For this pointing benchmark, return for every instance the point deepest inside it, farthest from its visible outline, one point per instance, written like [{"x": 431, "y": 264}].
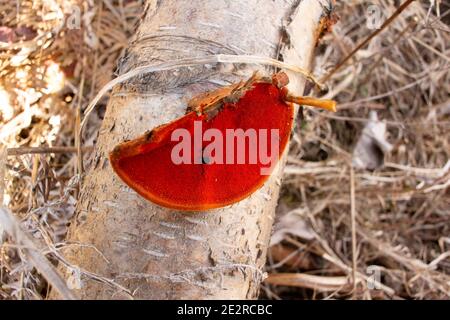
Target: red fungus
[{"x": 176, "y": 168}]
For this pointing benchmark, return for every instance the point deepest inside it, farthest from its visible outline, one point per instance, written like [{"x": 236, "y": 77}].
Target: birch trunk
[{"x": 156, "y": 253}]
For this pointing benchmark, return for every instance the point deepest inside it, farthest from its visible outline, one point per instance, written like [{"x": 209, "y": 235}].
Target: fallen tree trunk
[{"x": 151, "y": 252}]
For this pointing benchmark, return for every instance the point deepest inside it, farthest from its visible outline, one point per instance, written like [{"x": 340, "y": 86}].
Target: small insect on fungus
[{"x": 220, "y": 152}]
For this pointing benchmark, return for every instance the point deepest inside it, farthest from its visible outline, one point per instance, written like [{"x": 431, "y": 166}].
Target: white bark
[{"x": 158, "y": 253}]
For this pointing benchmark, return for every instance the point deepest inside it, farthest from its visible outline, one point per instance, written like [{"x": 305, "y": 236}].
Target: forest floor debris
[{"x": 393, "y": 224}]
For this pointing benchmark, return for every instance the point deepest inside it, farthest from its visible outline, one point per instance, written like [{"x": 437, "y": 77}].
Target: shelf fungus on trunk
[{"x": 220, "y": 152}]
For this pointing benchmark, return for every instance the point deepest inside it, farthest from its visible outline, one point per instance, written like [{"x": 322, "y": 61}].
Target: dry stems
[{"x": 398, "y": 233}]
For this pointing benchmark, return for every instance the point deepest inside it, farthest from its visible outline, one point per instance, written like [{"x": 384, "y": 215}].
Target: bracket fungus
[{"x": 220, "y": 152}]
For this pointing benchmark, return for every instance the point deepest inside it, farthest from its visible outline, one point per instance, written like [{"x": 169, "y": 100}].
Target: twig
[
  {"x": 303, "y": 280},
  {"x": 78, "y": 137},
  {"x": 190, "y": 62},
  {"x": 374, "y": 65},
  {"x": 40, "y": 262},
  {"x": 367, "y": 40},
  {"x": 42, "y": 150},
  {"x": 353, "y": 219}
]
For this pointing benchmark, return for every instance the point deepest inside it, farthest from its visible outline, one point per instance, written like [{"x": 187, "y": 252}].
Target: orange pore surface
[{"x": 146, "y": 165}]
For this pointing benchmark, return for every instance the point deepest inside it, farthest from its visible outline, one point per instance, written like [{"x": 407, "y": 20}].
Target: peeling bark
[{"x": 153, "y": 252}]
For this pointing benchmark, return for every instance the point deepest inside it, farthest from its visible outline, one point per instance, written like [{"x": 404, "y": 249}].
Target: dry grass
[
  {"x": 40, "y": 96},
  {"x": 401, "y": 208},
  {"x": 344, "y": 232}
]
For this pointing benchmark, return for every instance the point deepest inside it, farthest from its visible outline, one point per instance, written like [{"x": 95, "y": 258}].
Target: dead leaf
[
  {"x": 372, "y": 145},
  {"x": 293, "y": 224}
]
